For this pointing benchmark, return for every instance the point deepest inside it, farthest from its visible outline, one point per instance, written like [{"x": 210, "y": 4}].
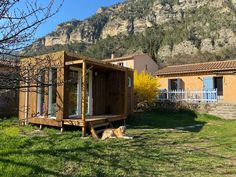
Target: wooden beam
[
  {"x": 84, "y": 99},
  {"x": 73, "y": 62},
  {"x": 105, "y": 65},
  {"x": 45, "y": 121},
  {"x": 96, "y": 63}
]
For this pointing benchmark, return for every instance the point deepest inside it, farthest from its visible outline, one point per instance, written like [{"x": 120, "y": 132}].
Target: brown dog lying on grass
[{"x": 115, "y": 133}]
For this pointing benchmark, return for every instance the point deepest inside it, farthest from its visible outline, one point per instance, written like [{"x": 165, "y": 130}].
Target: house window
[
  {"x": 121, "y": 64},
  {"x": 52, "y": 93},
  {"x": 129, "y": 82},
  {"x": 175, "y": 84},
  {"x": 218, "y": 84},
  {"x": 41, "y": 94},
  {"x": 146, "y": 68}
]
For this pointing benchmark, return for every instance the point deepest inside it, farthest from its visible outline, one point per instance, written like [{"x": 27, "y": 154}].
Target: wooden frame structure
[{"x": 111, "y": 100}]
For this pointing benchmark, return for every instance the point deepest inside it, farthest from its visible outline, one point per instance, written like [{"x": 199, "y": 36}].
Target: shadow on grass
[{"x": 185, "y": 120}]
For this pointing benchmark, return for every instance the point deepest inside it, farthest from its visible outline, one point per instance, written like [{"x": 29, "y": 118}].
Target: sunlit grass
[{"x": 158, "y": 149}]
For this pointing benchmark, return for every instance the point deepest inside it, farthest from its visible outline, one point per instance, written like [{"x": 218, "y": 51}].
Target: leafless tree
[{"x": 19, "y": 20}]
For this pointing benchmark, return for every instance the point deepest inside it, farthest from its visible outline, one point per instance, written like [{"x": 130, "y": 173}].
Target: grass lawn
[{"x": 165, "y": 144}]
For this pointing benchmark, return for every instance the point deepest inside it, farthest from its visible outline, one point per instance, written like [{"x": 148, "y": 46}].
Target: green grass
[{"x": 158, "y": 149}]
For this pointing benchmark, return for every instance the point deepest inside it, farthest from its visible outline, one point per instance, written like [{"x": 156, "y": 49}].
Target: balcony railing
[{"x": 196, "y": 96}]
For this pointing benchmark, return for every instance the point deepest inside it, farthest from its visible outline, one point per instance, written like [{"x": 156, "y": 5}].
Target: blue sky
[{"x": 78, "y": 9}]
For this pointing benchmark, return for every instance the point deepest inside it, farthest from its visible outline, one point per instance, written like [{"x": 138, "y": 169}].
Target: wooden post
[{"x": 84, "y": 99}]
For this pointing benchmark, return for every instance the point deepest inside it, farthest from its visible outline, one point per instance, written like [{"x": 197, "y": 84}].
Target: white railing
[{"x": 196, "y": 96}]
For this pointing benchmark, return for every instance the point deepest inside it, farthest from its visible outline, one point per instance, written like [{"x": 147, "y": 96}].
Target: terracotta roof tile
[{"x": 229, "y": 65}]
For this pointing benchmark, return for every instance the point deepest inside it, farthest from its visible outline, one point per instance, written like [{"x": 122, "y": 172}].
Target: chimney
[{"x": 112, "y": 55}]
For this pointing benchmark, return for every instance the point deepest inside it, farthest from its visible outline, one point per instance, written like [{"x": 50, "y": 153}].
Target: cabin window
[
  {"x": 129, "y": 82},
  {"x": 52, "y": 93},
  {"x": 74, "y": 90},
  {"x": 41, "y": 94},
  {"x": 218, "y": 84},
  {"x": 89, "y": 93}
]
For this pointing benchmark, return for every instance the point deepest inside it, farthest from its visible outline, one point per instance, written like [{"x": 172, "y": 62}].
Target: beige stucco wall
[
  {"x": 230, "y": 88},
  {"x": 140, "y": 63},
  {"x": 145, "y": 63},
  {"x": 126, "y": 63},
  {"x": 196, "y": 83}
]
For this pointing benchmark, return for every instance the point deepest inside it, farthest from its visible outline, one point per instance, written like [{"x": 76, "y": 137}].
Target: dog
[{"x": 115, "y": 133}]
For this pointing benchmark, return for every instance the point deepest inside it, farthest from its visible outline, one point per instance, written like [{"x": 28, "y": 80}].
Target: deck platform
[{"x": 76, "y": 121}]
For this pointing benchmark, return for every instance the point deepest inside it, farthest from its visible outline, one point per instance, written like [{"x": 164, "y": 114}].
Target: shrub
[{"x": 145, "y": 89}]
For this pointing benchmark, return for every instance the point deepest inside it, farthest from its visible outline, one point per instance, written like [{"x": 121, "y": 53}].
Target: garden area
[{"x": 180, "y": 143}]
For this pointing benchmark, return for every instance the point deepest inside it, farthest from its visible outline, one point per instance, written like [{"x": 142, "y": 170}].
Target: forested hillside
[{"x": 171, "y": 31}]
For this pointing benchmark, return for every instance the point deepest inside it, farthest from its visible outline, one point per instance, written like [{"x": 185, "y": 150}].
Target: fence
[{"x": 206, "y": 96}]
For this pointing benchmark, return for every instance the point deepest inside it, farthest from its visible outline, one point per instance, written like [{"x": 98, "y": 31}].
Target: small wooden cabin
[{"x": 74, "y": 90}]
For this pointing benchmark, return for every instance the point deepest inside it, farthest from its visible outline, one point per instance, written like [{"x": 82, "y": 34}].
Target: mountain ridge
[{"x": 171, "y": 31}]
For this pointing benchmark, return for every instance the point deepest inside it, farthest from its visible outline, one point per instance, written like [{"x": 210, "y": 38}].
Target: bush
[{"x": 145, "y": 89}]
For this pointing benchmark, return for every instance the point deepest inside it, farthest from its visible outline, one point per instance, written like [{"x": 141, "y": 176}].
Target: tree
[
  {"x": 145, "y": 89},
  {"x": 19, "y": 20}
]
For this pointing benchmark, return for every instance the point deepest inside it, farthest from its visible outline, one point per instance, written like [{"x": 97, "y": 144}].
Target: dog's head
[{"x": 122, "y": 129}]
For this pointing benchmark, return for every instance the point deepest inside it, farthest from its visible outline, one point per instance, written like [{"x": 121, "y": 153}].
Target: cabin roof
[
  {"x": 77, "y": 59},
  {"x": 129, "y": 57},
  {"x": 218, "y": 66}
]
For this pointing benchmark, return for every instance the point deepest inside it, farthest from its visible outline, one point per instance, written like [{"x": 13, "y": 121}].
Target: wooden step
[
  {"x": 100, "y": 131},
  {"x": 98, "y": 128},
  {"x": 101, "y": 125}
]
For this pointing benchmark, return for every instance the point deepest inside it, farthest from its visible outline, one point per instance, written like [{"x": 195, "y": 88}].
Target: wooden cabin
[{"x": 67, "y": 89}]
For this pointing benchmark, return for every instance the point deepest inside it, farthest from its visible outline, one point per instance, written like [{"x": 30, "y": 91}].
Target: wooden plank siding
[{"x": 112, "y": 99}]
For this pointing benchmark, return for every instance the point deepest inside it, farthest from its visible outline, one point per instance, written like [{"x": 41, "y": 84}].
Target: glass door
[
  {"x": 52, "y": 93},
  {"x": 74, "y": 92}
]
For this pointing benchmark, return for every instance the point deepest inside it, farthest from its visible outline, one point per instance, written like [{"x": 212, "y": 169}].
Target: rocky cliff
[{"x": 172, "y": 31}]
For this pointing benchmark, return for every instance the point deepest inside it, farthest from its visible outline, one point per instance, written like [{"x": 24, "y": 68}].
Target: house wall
[
  {"x": 195, "y": 82},
  {"x": 140, "y": 63},
  {"x": 126, "y": 63},
  {"x": 145, "y": 63}
]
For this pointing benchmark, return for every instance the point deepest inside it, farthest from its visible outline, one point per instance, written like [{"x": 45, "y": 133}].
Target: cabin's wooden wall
[
  {"x": 109, "y": 94},
  {"x": 115, "y": 94},
  {"x": 99, "y": 92},
  {"x": 57, "y": 61}
]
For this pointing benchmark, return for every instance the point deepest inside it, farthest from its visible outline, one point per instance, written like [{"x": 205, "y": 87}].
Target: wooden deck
[
  {"x": 76, "y": 121},
  {"x": 93, "y": 119}
]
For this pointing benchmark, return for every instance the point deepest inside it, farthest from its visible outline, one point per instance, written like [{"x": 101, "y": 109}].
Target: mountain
[{"x": 171, "y": 31}]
